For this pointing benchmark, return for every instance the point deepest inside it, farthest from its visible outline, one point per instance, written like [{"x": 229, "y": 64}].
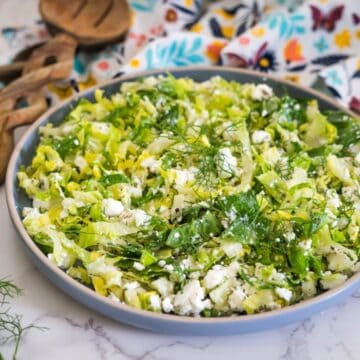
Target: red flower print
[
  {"x": 244, "y": 40},
  {"x": 355, "y": 104},
  {"x": 141, "y": 39},
  {"x": 157, "y": 30},
  {"x": 103, "y": 65}
]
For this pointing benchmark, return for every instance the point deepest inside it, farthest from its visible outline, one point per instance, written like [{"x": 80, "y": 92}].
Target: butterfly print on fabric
[
  {"x": 326, "y": 21},
  {"x": 264, "y": 59},
  {"x": 356, "y": 19}
]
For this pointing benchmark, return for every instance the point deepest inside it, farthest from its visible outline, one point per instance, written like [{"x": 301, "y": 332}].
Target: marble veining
[{"x": 73, "y": 331}]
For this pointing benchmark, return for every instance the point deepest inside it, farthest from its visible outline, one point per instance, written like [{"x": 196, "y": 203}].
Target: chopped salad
[{"x": 200, "y": 199}]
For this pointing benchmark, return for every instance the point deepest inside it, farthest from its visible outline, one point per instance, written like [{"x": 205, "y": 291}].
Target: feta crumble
[
  {"x": 112, "y": 207},
  {"x": 284, "y": 293},
  {"x": 260, "y": 136},
  {"x": 262, "y": 92}
]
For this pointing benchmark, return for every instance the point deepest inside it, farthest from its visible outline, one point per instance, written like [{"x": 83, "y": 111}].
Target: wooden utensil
[
  {"x": 83, "y": 22},
  {"x": 59, "y": 51},
  {"x": 13, "y": 70},
  {"x": 91, "y": 22},
  {"x": 11, "y": 117}
]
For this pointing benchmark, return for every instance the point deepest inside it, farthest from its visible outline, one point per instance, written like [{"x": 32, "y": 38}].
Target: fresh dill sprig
[
  {"x": 8, "y": 290},
  {"x": 11, "y": 326}
]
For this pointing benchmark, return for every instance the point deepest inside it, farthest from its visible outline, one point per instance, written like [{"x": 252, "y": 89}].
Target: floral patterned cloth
[{"x": 301, "y": 41}]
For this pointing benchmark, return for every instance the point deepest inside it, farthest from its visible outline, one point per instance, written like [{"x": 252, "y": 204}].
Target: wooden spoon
[
  {"x": 91, "y": 22},
  {"x": 10, "y": 119},
  {"x": 26, "y": 89},
  {"x": 82, "y": 22}
]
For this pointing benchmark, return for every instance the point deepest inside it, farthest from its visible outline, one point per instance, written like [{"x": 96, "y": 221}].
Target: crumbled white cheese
[
  {"x": 167, "y": 305},
  {"x": 214, "y": 277},
  {"x": 260, "y": 136},
  {"x": 70, "y": 205},
  {"x": 155, "y": 302},
  {"x": 162, "y": 263},
  {"x": 131, "y": 285},
  {"x": 183, "y": 177},
  {"x": 306, "y": 244},
  {"x": 138, "y": 266},
  {"x": 191, "y": 299},
  {"x": 289, "y": 236},
  {"x": 272, "y": 155},
  {"x": 31, "y": 213},
  {"x": 169, "y": 267},
  {"x": 141, "y": 217},
  {"x": 112, "y": 207},
  {"x": 232, "y": 249},
  {"x": 41, "y": 204},
  {"x": 150, "y": 163},
  {"x": 186, "y": 263},
  {"x": 236, "y": 298},
  {"x": 284, "y": 293},
  {"x": 262, "y": 92},
  {"x": 333, "y": 201},
  {"x": 276, "y": 276},
  {"x": 80, "y": 162},
  {"x": 110, "y": 273},
  {"x": 163, "y": 286},
  {"x": 226, "y": 163}
]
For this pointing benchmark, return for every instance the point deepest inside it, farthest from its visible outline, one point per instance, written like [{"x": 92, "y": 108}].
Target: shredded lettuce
[{"x": 210, "y": 199}]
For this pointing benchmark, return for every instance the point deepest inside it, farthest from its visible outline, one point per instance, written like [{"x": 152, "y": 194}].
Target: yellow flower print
[
  {"x": 197, "y": 28},
  {"x": 89, "y": 82},
  {"x": 258, "y": 31},
  {"x": 343, "y": 39},
  {"x": 223, "y": 14},
  {"x": 358, "y": 64},
  {"x": 228, "y": 31},
  {"x": 135, "y": 63},
  {"x": 188, "y": 2},
  {"x": 357, "y": 34}
]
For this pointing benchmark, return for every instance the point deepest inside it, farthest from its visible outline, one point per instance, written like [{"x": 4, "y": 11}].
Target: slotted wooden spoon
[{"x": 88, "y": 23}]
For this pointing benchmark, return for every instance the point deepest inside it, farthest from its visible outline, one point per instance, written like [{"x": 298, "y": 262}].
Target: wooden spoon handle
[
  {"x": 11, "y": 70},
  {"x": 11, "y": 119},
  {"x": 7, "y": 145},
  {"x": 37, "y": 72}
]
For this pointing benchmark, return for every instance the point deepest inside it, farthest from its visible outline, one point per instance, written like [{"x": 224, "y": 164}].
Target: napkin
[{"x": 301, "y": 41}]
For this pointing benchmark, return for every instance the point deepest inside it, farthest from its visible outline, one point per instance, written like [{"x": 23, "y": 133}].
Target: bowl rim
[{"x": 89, "y": 293}]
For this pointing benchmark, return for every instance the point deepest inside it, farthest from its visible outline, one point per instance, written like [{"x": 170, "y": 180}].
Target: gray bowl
[{"x": 164, "y": 323}]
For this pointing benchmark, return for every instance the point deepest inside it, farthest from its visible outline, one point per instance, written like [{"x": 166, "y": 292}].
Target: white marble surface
[{"x": 75, "y": 332}]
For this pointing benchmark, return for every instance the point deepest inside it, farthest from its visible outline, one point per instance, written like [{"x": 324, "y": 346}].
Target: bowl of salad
[{"x": 193, "y": 201}]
